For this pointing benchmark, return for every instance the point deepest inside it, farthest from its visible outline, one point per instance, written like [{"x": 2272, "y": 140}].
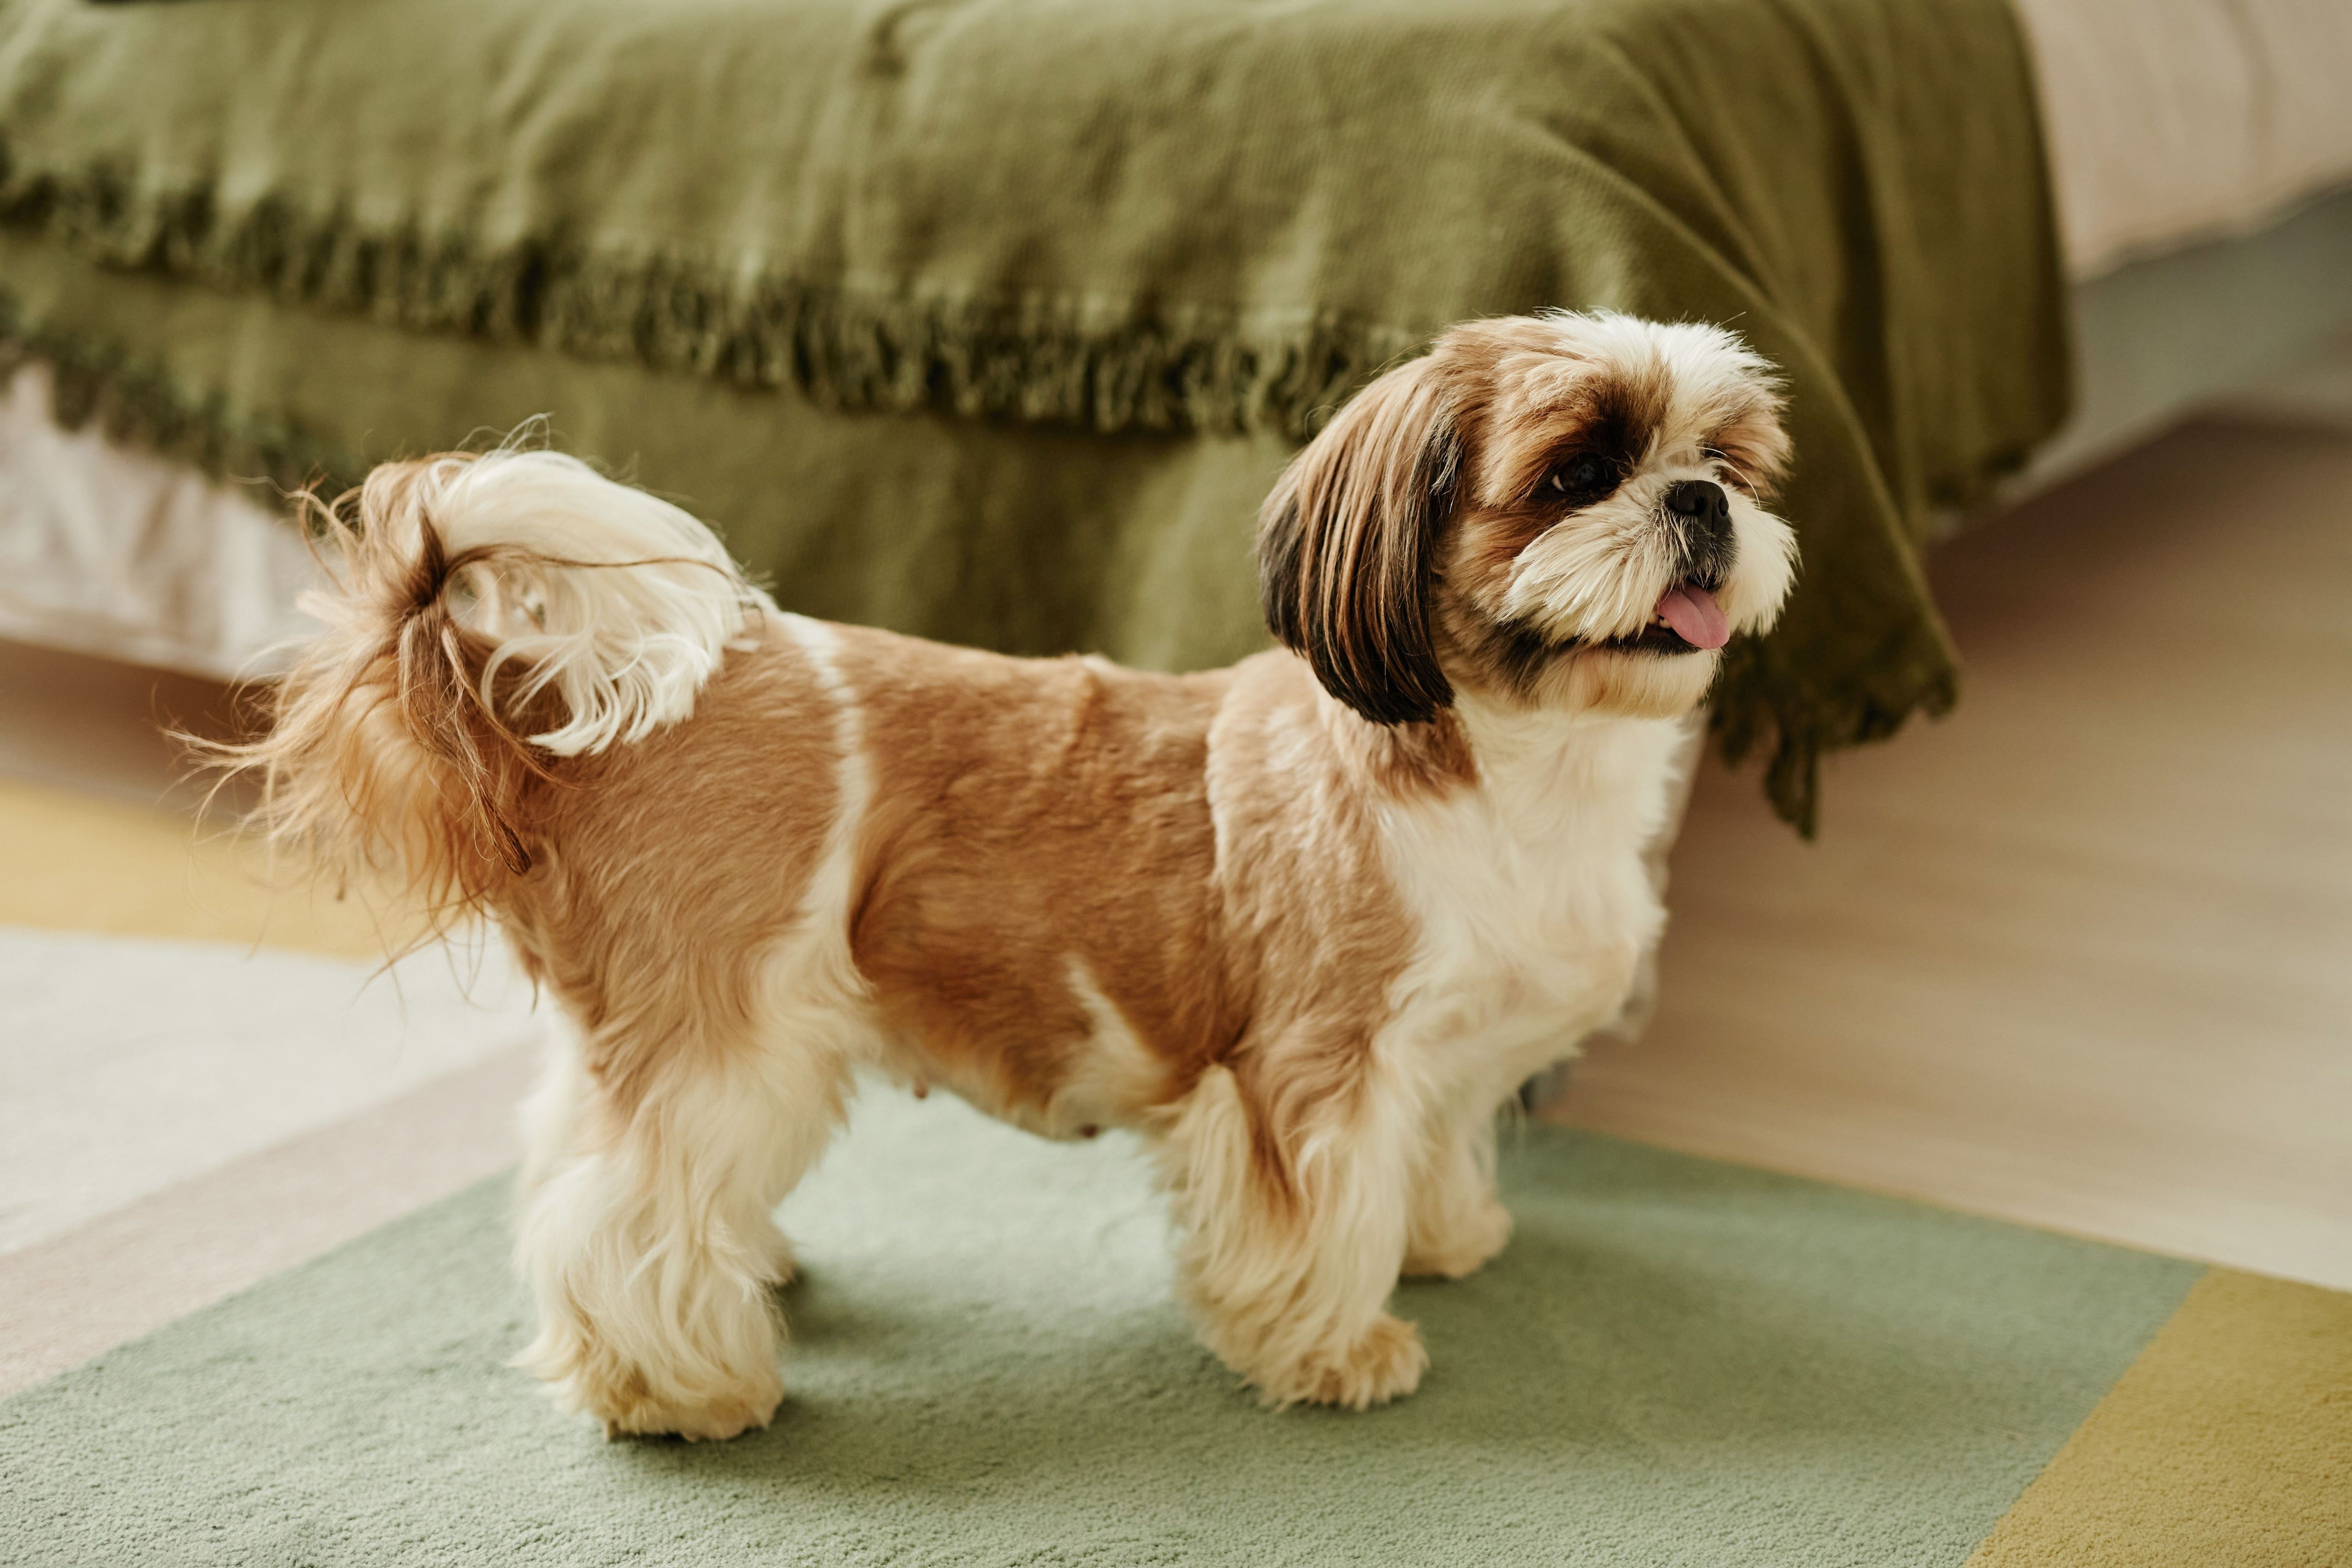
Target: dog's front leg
[
  {"x": 1458, "y": 1223},
  {"x": 1290, "y": 1252},
  {"x": 645, "y": 1232}
]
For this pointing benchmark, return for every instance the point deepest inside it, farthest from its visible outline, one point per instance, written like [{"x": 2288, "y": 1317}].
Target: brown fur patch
[
  {"x": 1023, "y": 814},
  {"x": 1752, "y": 449},
  {"x": 1026, "y": 815},
  {"x": 1198, "y": 844},
  {"x": 667, "y": 869},
  {"x": 1405, "y": 761}
]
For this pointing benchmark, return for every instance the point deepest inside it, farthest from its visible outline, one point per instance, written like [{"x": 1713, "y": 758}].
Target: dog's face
[{"x": 1563, "y": 512}]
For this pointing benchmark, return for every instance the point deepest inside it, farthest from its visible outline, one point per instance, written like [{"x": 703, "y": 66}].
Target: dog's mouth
[{"x": 1689, "y": 620}]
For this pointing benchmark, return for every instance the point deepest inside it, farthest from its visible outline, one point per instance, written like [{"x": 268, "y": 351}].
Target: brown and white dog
[{"x": 1302, "y": 923}]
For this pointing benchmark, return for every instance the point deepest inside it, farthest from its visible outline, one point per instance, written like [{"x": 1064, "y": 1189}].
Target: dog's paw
[
  {"x": 714, "y": 1422},
  {"x": 1464, "y": 1248},
  {"x": 628, "y": 1399},
  {"x": 1385, "y": 1363}
]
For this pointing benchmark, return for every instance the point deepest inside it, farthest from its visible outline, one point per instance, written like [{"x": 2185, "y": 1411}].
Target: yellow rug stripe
[
  {"x": 2228, "y": 1442},
  {"x": 76, "y": 864}
]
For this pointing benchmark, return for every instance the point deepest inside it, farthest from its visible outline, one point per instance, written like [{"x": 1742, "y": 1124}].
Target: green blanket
[{"x": 991, "y": 318}]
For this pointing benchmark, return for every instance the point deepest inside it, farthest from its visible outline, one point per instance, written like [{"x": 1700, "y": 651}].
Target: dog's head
[{"x": 1563, "y": 512}]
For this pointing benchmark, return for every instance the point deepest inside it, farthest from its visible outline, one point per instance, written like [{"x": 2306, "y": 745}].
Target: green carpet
[{"x": 1677, "y": 1362}]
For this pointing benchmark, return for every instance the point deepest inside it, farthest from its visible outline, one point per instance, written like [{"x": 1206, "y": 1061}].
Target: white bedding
[
  {"x": 2174, "y": 120},
  {"x": 2168, "y": 122},
  {"x": 117, "y": 553}
]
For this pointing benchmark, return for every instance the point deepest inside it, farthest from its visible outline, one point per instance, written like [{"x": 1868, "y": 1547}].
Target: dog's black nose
[
  {"x": 1698, "y": 499},
  {"x": 1702, "y": 516}
]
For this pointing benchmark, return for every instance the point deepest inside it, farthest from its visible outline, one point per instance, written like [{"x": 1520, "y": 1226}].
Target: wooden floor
[
  {"x": 99, "y": 728},
  {"x": 2081, "y": 954}
]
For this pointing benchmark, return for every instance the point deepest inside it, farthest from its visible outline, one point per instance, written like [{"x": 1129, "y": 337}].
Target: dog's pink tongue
[{"x": 1694, "y": 613}]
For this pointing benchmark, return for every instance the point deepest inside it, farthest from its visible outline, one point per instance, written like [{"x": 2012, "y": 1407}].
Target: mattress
[{"x": 2167, "y": 122}]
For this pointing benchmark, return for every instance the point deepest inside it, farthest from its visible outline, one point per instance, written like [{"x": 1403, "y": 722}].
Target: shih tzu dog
[{"x": 1302, "y": 923}]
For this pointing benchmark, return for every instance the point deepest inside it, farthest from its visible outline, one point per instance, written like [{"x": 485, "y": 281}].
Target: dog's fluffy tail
[{"x": 486, "y": 615}]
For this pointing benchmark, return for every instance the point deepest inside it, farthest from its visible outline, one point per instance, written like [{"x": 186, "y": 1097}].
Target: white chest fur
[{"x": 1532, "y": 901}]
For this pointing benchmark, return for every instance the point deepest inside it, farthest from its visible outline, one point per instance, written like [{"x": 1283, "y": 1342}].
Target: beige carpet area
[
  {"x": 208, "y": 1074},
  {"x": 136, "y": 1064}
]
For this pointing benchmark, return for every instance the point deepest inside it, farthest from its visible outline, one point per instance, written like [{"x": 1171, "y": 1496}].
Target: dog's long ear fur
[{"x": 1347, "y": 541}]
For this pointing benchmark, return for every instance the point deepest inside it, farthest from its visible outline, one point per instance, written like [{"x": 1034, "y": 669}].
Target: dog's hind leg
[
  {"x": 1292, "y": 1242},
  {"x": 645, "y": 1232}
]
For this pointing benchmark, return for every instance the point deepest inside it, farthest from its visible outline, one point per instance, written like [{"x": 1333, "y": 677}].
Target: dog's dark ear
[{"x": 1347, "y": 543}]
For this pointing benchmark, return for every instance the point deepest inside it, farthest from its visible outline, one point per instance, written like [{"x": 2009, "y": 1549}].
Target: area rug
[{"x": 1675, "y": 1362}]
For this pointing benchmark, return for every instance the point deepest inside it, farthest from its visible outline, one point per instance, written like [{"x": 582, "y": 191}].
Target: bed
[{"x": 1028, "y": 397}]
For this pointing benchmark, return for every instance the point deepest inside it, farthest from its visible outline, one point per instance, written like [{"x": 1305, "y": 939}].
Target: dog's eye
[{"x": 1585, "y": 476}]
